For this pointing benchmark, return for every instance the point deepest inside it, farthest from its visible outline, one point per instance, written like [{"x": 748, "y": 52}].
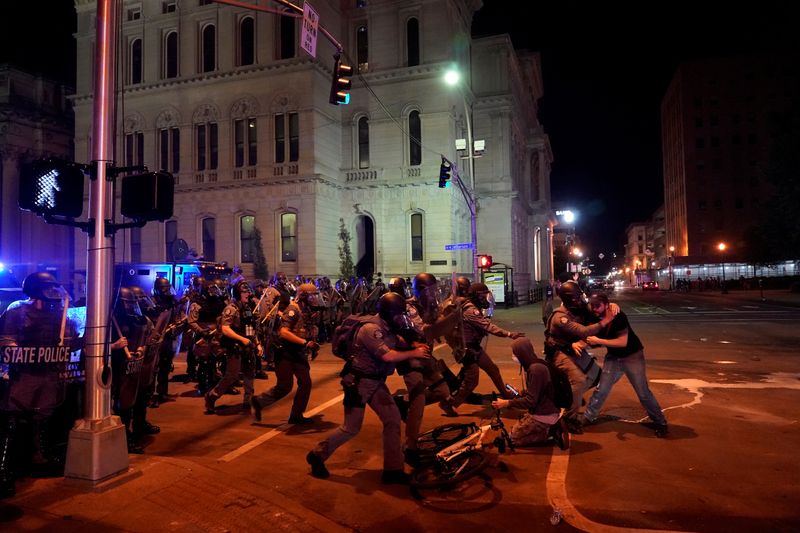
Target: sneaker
[
  {"x": 134, "y": 448},
  {"x": 318, "y": 469},
  {"x": 560, "y": 434},
  {"x": 300, "y": 420},
  {"x": 394, "y": 477},
  {"x": 448, "y": 409},
  {"x": 402, "y": 406},
  {"x": 662, "y": 430},
  {"x": 574, "y": 426},
  {"x": 254, "y": 403}
]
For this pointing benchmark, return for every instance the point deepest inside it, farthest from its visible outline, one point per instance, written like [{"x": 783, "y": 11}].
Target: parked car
[{"x": 650, "y": 286}]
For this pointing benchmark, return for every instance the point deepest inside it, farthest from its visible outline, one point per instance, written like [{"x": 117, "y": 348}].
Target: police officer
[
  {"x": 166, "y": 317},
  {"x": 202, "y": 322},
  {"x": 476, "y": 327},
  {"x": 237, "y": 325},
  {"x": 296, "y": 335},
  {"x": 462, "y": 286},
  {"x": 569, "y": 324},
  {"x": 191, "y": 294},
  {"x": 141, "y": 427},
  {"x": 276, "y": 294},
  {"x": 378, "y": 347},
  {"x": 32, "y": 391}
]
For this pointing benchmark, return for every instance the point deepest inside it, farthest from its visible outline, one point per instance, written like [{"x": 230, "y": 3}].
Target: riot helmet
[
  {"x": 145, "y": 303},
  {"x": 239, "y": 288},
  {"x": 572, "y": 296},
  {"x": 425, "y": 290},
  {"x": 127, "y": 305},
  {"x": 392, "y": 309},
  {"x": 462, "y": 286},
  {"x": 163, "y": 292},
  {"x": 43, "y": 286},
  {"x": 279, "y": 281},
  {"x": 222, "y": 286},
  {"x": 308, "y": 295},
  {"x": 398, "y": 285},
  {"x": 212, "y": 290},
  {"x": 478, "y": 294}
]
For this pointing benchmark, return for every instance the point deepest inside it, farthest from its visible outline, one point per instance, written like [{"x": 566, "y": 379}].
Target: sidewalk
[
  {"x": 156, "y": 494},
  {"x": 771, "y": 296}
]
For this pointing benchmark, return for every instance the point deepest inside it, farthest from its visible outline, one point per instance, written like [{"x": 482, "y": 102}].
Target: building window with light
[
  {"x": 247, "y": 41},
  {"x": 245, "y": 142},
  {"x": 416, "y": 237},
  {"x": 208, "y": 49},
  {"x": 136, "y": 62},
  {"x": 363, "y": 142},
  {"x": 206, "y": 142},
  {"x": 208, "y": 228},
  {"x": 170, "y": 67},
  {"x": 415, "y": 138},
  {"x": 247, "y": 227},
  {"x": 362, "y": 47},
  {"x": 170, "y": 149},
  {"x": 412, "y": 42},
  {"x": 288, "y": 237},
  {"x": 170, "y": 236}
]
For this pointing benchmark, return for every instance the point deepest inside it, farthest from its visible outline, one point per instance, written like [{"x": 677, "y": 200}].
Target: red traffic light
[{"x": 485, "y": 261}]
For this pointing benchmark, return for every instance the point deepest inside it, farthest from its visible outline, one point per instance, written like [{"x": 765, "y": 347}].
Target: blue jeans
[{"x": 633, "y": 367}]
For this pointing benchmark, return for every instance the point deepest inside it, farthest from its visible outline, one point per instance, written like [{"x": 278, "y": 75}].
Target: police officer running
[
  {"x": 294, "y": 347},
  {"x": 377, "y": 348}
]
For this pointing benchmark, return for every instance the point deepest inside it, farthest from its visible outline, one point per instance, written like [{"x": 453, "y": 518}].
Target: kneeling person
[{"x": 543, "y": 419}]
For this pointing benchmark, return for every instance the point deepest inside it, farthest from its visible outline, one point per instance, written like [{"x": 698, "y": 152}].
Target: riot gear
[
  {"x": 572, "y": 296},
  {"x": 212, "y": 290},
  {"x": 392, "y": 309},
  {"x": 308, "y": 294},
  {"x": 127, "y": 305},
  {"x": 240, "y": 288},
  {"x": 478, "y": 295},
  {"x": 43, "y": 286},
  {"x": 145, "y": 303},
  {"x": 462, "y": 286},
  {"x": 398, "y": 285}
]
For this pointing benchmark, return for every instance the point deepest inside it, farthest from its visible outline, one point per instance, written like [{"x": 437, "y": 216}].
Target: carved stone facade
[{"x": 260, "y": 139}]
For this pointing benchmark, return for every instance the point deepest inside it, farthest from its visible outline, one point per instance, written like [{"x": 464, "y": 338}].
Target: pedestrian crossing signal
[
  {"x": 485, "y": 261},
  {"x": 51, "y": 187}
]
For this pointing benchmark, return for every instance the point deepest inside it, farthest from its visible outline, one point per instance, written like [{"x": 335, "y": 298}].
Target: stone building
[{"x": 224, "y": 98}]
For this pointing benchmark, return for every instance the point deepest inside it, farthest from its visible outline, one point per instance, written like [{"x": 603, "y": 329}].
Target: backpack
[
  {"x": 562, "y": 390},
  {"x": 344, "y": 336}
]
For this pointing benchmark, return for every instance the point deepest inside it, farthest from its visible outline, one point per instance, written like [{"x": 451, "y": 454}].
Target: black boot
[
  {"x": 211, "y": 399},
  {"x": 7, "y": 488}
]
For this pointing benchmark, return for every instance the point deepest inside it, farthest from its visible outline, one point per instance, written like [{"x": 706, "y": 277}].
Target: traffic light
[
  {"x": 148, "y": 196},
  {"x": 52, "y": 187},
  {"x": 340, "y": 85},
  {"x": 444, "y": 173},
  {"x": 485, "y": 261}
]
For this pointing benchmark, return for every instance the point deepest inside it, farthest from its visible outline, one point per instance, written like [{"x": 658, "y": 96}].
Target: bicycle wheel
[
  {"x": 442, "y": 436},
  {"x": 443, "y": 474}
]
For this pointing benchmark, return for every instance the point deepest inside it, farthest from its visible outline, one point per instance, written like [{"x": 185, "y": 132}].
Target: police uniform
[
  {"x": 202, "y": 321},
  {"x": 368, "y": 379},
  {"x": 291, "y": 362},
  {"x": 239, "y": 317},
  {"x": 167, "y": 313}
]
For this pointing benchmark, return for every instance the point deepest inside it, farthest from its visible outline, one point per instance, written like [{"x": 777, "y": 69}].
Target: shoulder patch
[
  {"x": 564, "y": 320},
  {"x": 378, "y": 334},
  {"x": 290, "y": 313}
]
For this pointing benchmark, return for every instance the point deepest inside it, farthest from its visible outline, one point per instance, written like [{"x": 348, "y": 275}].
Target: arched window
[
  {"x": 247, "y": 41},
  {"x": 171, "y": 55},
  {"x": 286, "y": 32},
  {"x": 209, "y": 49},
  {"x": 247, "y": 241},
  {"x": 363, "y": 142},
  {"x": 136, "y": 61},
  {"x": 245, "y": 142},
  {"x": 416, "y": 237},
  {"x": 206, "y": 142},
  {"x": 362, "y": 47},
  {"x": 412, "y": 41},
  {"x": 289, "y": 237},
  {"x": 170, "y": 149},
  {"x": 208, "y": 227},
  {"x": 415, "y": 138},
  {"x": 170, "y": 236}
]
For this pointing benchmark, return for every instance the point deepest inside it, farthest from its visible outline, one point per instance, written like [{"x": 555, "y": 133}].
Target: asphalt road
[{"x": 726, "y": 371}]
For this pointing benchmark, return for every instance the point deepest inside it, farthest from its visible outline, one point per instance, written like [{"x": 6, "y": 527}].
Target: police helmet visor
[
  {"x": 401, "y": 322},
  {"x": 52, "y": 291},
  {"x": 163, "y": 288}
]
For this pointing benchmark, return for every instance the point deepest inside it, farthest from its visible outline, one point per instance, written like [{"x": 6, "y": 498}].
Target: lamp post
[
  {"x": 722, "y": 247},
  {"x": 671, "y": 261}
]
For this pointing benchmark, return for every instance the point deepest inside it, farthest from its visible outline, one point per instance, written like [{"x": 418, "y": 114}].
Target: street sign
[
  {"x": 458, "y": 246},
  {"x": 308, "y": 37}
]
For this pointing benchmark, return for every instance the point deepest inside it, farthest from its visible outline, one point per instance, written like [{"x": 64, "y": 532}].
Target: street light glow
[
  {"x": 569, "y": 216},
  {"x": 671, "y": 248},
  {"x": 452, "y": 77},
  {"x": 721, "y": 246}
]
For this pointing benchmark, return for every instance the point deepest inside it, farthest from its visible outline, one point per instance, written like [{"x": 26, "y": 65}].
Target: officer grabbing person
[
  {"x": 378, "y": 347},
  {"x": 476, "y": 327},
  {"x": 34, "y": 389},
  {"x": 294, "y": 348},
  {"x": 237, "y": 325}
]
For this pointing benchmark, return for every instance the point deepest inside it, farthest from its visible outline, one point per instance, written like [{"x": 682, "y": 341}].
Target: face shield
[
  {"x": 313, "y": 299},
  {"x": 53, "y": 292},
  {"x": 401, "y": 322}
]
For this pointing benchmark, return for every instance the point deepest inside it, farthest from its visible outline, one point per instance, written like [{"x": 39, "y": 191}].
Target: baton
[
  {"x": 119, "y": 332},
  {"x": 63, "y": 320}
]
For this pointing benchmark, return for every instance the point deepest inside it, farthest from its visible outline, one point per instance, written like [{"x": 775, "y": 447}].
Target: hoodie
[{"x": 539, "y": 394}]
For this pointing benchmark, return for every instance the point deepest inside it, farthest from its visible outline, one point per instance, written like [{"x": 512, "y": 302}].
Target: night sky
[{"x": 605, "y": 67}]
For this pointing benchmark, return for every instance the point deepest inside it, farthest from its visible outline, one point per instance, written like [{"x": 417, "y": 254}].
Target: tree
[
  {"x": 346, "y": 268},
  {"x": 260, "y": 270}
]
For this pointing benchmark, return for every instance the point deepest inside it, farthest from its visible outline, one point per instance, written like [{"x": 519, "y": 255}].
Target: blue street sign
[{"x": 458, "y": 246}]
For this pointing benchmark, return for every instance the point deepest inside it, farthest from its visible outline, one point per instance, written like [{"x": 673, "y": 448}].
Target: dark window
[
  {"x": 213, "y": 154},
  {"x": 245, "y": 142},
  {"x": 415, "y": 138},
  {"x": 136, "y": 245},
  {"x": 163, "y": 140},
  {"x": 170, "y": 236},
  {"x": 416, "y": 237},
  {"x": 136, "y": 61},
  {"x": 289, "y": 237},
  {"x": 207, "y": 154},
  {"x": 238, "y": 143},
  {"x": 700, "y": 143},
  {"x": 247, "y": 41},
  {"x": 287, "y": 38},
  {"x": 294, "y": 136},
  {"x": 412, "y": 41},
  {"x": 252, "y": 142},
  {"x": 363, "y": 142},
  {"x": 247, "y": 238},
  {"x": 209, "y": 53},
  {"x": 170, "y": 149},
  {"x": 280, "y": 138},
  {"x": 209, "y": 226},
  {"x": 362, "y": 47},
  {"x": 134, "y": 149},
  {"x": 168, "y": 7},
  {"x": 201, "y": 146},
  {"x": 171, "y": 55},
  {"x": 134, "y": 14},
  {"x": 176, "y": 149}
]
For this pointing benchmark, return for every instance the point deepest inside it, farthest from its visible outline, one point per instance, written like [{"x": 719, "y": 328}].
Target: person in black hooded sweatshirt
[{"x": 543, "y": 419}]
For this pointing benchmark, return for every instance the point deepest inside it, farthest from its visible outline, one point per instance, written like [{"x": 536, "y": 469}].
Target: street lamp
[
  {"x": 671, "y": 261},
  {"x": 721, "y": 247}
]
